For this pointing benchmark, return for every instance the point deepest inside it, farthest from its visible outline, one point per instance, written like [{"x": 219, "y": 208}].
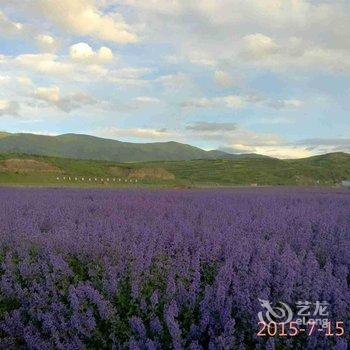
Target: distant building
[{"x": 345, "y": 183}]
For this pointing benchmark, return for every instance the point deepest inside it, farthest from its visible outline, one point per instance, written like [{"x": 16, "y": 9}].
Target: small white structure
[
  {"x": 125, "y": 180},
  {"x": 346, "y": 183}
]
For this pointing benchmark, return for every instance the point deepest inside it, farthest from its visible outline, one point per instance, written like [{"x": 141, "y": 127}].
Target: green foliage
[
  {"x": 79, "y": 268},
  {"x": 7, "y": 305},
  {"x": 325, "y": 170}
]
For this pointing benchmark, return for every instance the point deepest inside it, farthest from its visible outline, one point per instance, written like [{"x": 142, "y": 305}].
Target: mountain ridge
[{"x": 81, "y": 146}]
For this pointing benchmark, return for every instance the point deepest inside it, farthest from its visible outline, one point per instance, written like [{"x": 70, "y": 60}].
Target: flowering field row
[{"x": 138, "y": 269}]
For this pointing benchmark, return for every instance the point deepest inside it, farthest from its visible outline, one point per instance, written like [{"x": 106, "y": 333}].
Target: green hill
[
  {"x": 326, "y": 170},
  {"x": 90, "y": 147}
]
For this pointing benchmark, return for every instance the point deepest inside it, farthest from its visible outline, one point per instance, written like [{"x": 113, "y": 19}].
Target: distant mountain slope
[
  {"x": 325, "y": 170},
  {"x": 89, "y": 147}
]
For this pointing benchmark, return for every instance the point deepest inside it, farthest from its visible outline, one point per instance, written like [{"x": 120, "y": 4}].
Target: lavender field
[{"x": 177, "y": 269}]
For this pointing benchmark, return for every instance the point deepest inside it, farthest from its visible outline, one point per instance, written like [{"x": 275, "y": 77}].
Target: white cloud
[
  {"x": 234, "y": 138},
  {"x": 223, "y": 79},
  {"x": 53, "y": 97},
  {"x": 48, "y": 94},
  {"x": 177, "y": 80},
  {"x": 284, "y": 104},
  {"x": 38, "y": 132},
  {"x": 24, "y": 80},
  {"x": 146, "y": 99},
  {"x": 212, "y": 127},
  {"x": 7, "y": 27},
  {"x": 105, "y": 54},
  {"x": 54, "y": 66},
  {"x": 276, "y": 120},
  {"x": 323, "y": 145},
  {"x": 199, "y": 103},
  {"x": 18, "y": 80},
  {"x": 82, "y": 52},
  {"x": 131, "y": 72},
  {"x": 46, "y": 43},
  {"x": 201, "y": 59},
  {"x": 275, "y": 34},
  {"x": 299, "y": 55},
  {"x": 241, "y": 101},
  {"x": 237, "y": 139},
  {"x": 130, "y": 76},
  {"x": 277, "y": 151},
  {"x": 44, "y": 63},
  {"x": 257, "y": 46},
  {"x": 138, "y": 133},
  {"x": 128, "y": 82},
  {"x": 83, "y": 17},
  {"x": 4, "y": 79},
  {"x": 9, "y": 108},
  {"x": 72, "y": 70},
  {"x": 230, "y": 101},
  {"x": 140, "y": 102},
  {"x": 233, "y": 135}
]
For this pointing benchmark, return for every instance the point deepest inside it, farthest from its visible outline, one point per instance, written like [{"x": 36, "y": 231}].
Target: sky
[{"x": 264, "y": 76}]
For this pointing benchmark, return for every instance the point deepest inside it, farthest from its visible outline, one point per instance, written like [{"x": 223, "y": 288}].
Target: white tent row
[{"x": 95, "y": 179}]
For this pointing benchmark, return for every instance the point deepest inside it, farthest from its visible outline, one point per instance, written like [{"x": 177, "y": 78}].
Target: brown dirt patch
[
  {"x": 28, "y": 165},
  {"x": 304, "y": 180},
  {"x": 151, "y": 173},
  {"x": 119, "y": 171},
  {"x": 142, "y": 173}
]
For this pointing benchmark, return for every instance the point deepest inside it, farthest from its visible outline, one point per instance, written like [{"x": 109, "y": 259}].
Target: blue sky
[{"x": 269, "y": 76}]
